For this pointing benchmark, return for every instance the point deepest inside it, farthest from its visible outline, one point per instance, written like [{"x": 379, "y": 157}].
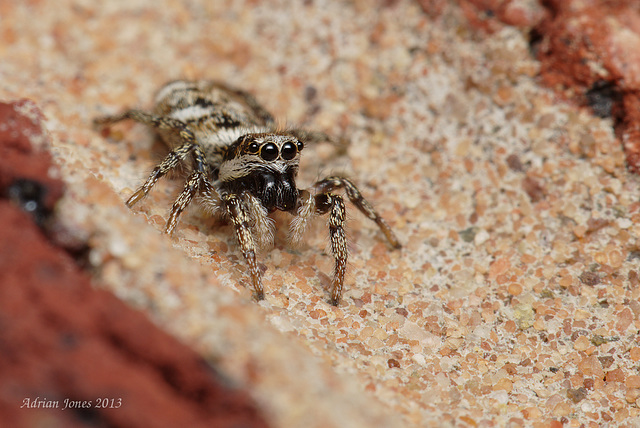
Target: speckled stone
[{"x": 506, "y": 264}]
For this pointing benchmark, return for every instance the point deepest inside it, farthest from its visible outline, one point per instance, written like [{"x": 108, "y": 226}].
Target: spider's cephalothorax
[
  {"x": 265, "y": 165},
  {"x": 244, "y": 167}
]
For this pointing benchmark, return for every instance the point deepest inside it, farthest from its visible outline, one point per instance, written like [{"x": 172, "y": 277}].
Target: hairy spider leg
[
  {"x": 326, "y": 202},
  {"x": 196, "y": 181},
  {"x": 262, "y": 225},
  {"x": 334, "y": 205},
  {"x": 315, "y": 137},
  {"x": 239, "y": 215},
  {"x": 332, "y": 183}
]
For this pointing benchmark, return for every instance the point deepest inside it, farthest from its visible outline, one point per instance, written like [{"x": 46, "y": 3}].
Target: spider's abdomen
[
  {"x": 215, "y": 113},
  {"x": 209, "y": 104}
]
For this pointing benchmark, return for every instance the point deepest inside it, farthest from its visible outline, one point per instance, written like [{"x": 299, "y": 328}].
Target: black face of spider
[
  {"x": 266, "y": 165},
  {"x": 276, "y": 191}
]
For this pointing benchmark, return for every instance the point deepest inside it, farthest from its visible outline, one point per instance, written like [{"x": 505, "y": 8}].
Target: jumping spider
[{"x": 244, "y": 167}]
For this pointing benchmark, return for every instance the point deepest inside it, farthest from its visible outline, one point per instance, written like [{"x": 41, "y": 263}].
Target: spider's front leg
[
  {"x": 331, "y": 183},
  {"x": 334, "y": 205},
  {"x": 324, "y": 202},
  {"x": 240, "y": 217}
]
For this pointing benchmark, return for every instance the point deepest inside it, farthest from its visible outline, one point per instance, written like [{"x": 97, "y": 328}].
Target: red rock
[
  {"x": 486, "y": 14},
  {"x": 588, "y": 49},
  {"x": 522, "y": 13},
  {"x": 63, "y": 339},
  {"x": 582, "y": 51},
  {"x": 19, "y": 160}
]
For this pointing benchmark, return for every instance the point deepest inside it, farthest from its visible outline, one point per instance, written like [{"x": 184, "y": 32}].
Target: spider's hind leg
[{"x": 196, "y": 181}]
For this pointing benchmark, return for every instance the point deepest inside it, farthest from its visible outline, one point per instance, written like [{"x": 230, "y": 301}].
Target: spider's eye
[
  {"x": 269, "y": 152},
  {"x": 300, "y": 145},
  {"x": 288, "y": 151},
  {"x": 253, "y": 148}
]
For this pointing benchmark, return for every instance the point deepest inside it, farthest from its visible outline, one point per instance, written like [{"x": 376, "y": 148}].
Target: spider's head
[{"x": 266, "y": 165}]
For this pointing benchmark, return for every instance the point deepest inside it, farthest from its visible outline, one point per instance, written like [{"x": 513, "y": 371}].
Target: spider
[{"x": 243, "y": 168}]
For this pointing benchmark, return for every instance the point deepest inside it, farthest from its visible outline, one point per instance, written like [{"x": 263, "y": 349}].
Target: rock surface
[
  {"x": 588, "y": 50},
  {"x": 71, "y": 354},
  {"x": 514, "y": 300}
]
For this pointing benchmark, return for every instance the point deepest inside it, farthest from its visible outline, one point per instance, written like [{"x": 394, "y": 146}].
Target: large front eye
[
  {"x": 269, "y": 152},
  {"x": 288, "y": 151}
]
